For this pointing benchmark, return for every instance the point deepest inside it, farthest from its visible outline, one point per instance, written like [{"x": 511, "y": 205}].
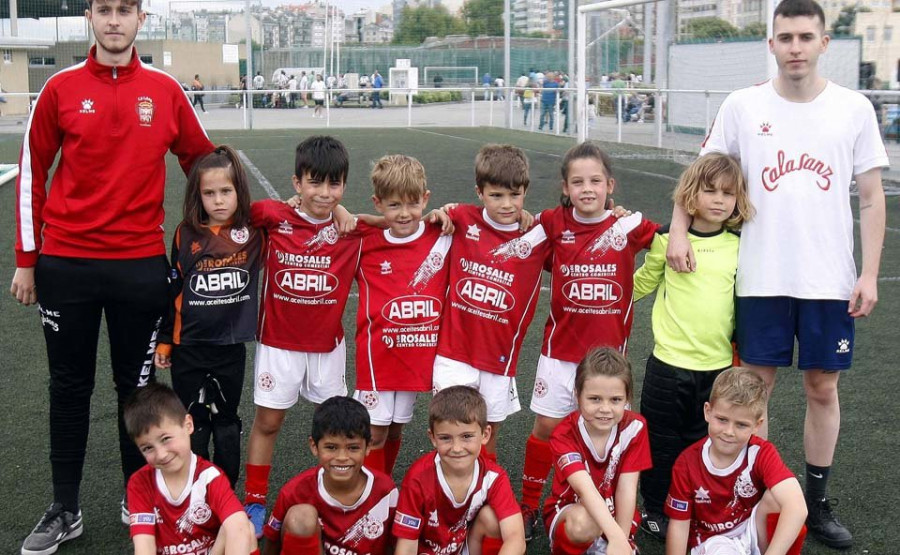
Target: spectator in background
[
  {"x": 292, "y": 92},
  {"x": 377, "y": 84},
  {"x": 549, "y": 95},
  {"x": 304, "y": 87},
  {"x": 500, "y": 83},
  {"x": 196, "y": 85},
  {"x": 259, "y": 83}
]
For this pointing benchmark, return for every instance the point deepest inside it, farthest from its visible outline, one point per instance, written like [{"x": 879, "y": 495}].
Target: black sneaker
[
  {"x": 55, "y": 527},
  {"x": 655, "y": 525},
  {"x": 530, "y": 516},
  {"x": 824, "y": 526}
]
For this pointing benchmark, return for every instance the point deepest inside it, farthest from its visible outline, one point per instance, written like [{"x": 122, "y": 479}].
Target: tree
[
  {"x": 483, "y": 17},
  {"x": 843, "y": 25},
  {"x": 422, "y": 22},
  {"x": 755, "y": 29},
  {"x": 710, "y": 28}
]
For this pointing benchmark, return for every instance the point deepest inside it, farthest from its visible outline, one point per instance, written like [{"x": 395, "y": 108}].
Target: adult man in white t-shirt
[{"x": 801, "y": 140}]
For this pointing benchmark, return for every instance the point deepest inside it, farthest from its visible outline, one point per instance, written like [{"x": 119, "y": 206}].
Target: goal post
[
  {"x": 451, "y": 76},
  {"x": 581, "y": 56}
]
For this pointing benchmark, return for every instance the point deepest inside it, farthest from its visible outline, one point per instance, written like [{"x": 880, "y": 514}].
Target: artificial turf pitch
[{"x": 864, "y": 478}]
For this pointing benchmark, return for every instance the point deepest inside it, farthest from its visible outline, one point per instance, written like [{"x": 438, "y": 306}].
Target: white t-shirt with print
[{"x": 799, "y": 159}]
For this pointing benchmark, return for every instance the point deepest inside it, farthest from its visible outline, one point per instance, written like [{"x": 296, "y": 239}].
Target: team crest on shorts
[
  {"x": 199, "y": 513},
  {"x": 540, "y": 388},
  {"x": 145, "y": 110},
  {"x": 240, "y": 235},
  {"x": 369, "y": 399},
  {"x": 266, "y": 381}
]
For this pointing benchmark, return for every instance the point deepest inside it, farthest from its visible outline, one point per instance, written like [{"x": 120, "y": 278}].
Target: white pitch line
[
  {"x": 259, "y": 176},
  {"x": 893, "y": 278}
]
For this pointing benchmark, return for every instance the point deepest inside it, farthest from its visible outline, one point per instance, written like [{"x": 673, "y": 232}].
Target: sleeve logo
[
  {"x": 567, "y": 459},
  {"x": 677, "y": 504},
  {"x": 142, "y": 518},
  {"x": 407, "y": 520}
]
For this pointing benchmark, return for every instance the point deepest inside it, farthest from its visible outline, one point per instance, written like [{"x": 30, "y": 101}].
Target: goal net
[{"x": 450, "y": 76}]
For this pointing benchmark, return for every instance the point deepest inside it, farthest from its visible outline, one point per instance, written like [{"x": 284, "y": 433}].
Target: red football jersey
[
  {"x": 627, "y": 450},
  {"x": 362, "y": 528},
  {"x": 717, "y": 500},
  {"x": 402, "y": 290},
  {"x": 495, "y": 280},
  {"x": 428, "y": 512},
  {"x": 308, "y": 274},
  {"x": 190, "y": 523},
  {"x": 592, "y": 269}
]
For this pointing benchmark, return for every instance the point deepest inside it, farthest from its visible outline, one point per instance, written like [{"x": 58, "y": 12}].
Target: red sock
[
  {"x": 375, "y": 459},
  {"x": 391, "y": 450},
  {"x": 735, "y": 356},
  {"x": 491, "y": 546},
  {"x": 490, "y": 456},
  {"x": 538, "y": 462},
  {"x": 257, "y": 484},
  {"x": 299, "y": 544},
  {"x": 562, "y": 545},
  {"x": 772, "y": 523},
  {"x": 255, "y": 552}
]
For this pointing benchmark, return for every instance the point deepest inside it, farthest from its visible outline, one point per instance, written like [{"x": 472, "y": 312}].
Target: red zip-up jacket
[{"x": 114, "y": 126}]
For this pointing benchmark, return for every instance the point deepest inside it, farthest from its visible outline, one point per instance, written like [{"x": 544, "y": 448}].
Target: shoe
[
  {"x": 532, "y": 524},
  {"x": 55, "y": 527},
  {"x": 257, "y": 514},
  {"x": 126, "y": 514},
  {"x": 824, "y": 526},
  {"x": 655, "y": 525}
]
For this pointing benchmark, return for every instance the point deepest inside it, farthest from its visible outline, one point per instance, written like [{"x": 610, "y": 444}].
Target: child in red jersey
[
  {"x": 728, "y": 487},
  {"x": 338, "y": 506},
  {"x": 495, "y": 279},
  {"x": 216, "y": 258},
  {"x": 454, "y": 497},
  {"x": 308, "y": 273},
  {"x": 179, "y": 502},
  {"x": 598, "y": 452},
  {"x": 592, "y": 263},
  {"x": 402, "y": 279}
]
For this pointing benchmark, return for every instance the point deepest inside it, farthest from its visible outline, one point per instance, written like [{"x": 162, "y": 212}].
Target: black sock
[{"x": 816, "y": 481}]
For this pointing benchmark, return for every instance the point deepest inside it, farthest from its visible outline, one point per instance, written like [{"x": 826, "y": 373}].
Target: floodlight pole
[
  {"x": 248, "y": 99},
  {"x": 771, "y": 64},
  {"x": 14, "y": 18},
  {"x": 506, "y": 70}
]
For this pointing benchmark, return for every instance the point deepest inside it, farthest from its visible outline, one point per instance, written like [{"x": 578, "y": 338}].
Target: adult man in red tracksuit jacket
[{"x": 95, "y": 243}]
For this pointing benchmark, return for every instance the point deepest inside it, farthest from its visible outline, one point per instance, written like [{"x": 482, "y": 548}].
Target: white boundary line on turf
[
  {"x": 894, "y": 278},
  {"x": 639, "y": 172},
  {"x": 259, "y": 176},
  {"x": 886, "y": 228}
]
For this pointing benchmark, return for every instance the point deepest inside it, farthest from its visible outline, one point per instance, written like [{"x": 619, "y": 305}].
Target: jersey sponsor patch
[
  {"x": 567, "y": 459},
  {"x": 274, "y": 523},
  {"x": 407, "y": 520},
  {"x": 677, "y": 504},
  {"x": 142, "y": 518}
]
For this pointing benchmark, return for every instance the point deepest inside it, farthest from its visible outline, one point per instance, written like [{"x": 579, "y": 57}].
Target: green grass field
[{"x": 864, "y": 479}]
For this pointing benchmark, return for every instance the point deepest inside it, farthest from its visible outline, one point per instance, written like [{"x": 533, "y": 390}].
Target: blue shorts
[{"x": 766, "y": 328}]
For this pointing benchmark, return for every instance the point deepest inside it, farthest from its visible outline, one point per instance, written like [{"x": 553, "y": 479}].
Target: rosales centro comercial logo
[
  {"x": 219, "y": 283},
  {"x": 484, "y": 295},
  {"x": 306, "y": 283},
  {"x": 592, "y": 292},
  {"x": 412, "y": 310}
]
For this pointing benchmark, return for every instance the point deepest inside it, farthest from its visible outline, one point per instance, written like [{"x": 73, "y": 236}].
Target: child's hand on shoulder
[
  {"x": 617, "y": 210},
  {"x": 294, "y": 202},
  {"x": 526, "y": 220},
  {"x": 344, "y": 221},
  {"x": 449, "y": 206},
  {"x": 440, "y": 217}
]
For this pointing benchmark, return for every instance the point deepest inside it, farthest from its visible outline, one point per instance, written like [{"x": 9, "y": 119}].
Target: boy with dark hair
[
  {"x": 729, "y": 488},
  {"x": 455, "y": 497},
  {"x": 402, "y": 279},
  {"x": 495, "y": 279},
  {"x": 308, "y": 272},
  {"x": 339, "y": 506},
  {"x": 796, "y": 278},
  {"x": 179, "y": 502}
]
